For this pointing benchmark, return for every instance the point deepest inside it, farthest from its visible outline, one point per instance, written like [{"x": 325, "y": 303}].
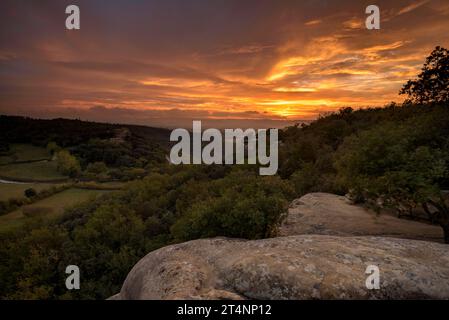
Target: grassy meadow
[
  {"x": 14, "y": 165},
  {"x": 11, "y": 190},
  {"x": 25, "y": 162},
  {"x": 39, "y": 171},
  {"x": 50, "y": 207},
  {"x": 24, "y": 152}
]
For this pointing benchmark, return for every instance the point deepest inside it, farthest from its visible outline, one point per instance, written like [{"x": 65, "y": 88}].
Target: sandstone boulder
[
  {"x": 295, "y": 267},
  {"x": 329, "y": 214}
]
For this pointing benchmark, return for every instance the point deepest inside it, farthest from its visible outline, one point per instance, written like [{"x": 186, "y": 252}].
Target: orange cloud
[{"x": 282, "y": 62}]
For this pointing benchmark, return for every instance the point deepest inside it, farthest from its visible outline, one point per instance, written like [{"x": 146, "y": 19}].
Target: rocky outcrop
[
  {"x": 329, "y": 214},
  {"x": 324, "y": 247},
  {"x": 296, "y": 267}
]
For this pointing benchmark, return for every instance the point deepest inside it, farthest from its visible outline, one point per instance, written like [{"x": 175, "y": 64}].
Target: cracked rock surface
[
  {"x": 324, "y": 249},
  {"x": 329, "y": 214},
  {"x": 295, "y": 267}
]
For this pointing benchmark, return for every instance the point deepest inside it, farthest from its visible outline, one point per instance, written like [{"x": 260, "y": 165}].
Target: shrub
[
  {"x": 30, "y": 193},
  {"x": 67, "y": 164},
  {"x": 244, "y": 206}
]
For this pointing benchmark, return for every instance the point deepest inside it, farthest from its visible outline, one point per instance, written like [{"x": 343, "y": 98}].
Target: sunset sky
[{"x": 251, "y": 62}]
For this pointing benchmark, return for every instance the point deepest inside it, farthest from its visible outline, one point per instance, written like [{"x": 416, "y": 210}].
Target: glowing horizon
[{"x": 162, "y": 63}]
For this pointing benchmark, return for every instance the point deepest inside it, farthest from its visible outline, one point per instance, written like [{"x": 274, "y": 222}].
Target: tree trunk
[
  {"x": 446, "y": 232},
  {"x": 430, "y": 216},
  {"x": 442, "y": 215}
]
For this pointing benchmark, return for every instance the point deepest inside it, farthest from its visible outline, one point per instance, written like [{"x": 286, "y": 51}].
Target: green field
[
  {"x": 42, "y": 171},
  {"x": 8, "y": 190},
  {"x": 56, "y": 205},
  {"x": 108, "y": 186},
  {"x": 24, "y": 152}
]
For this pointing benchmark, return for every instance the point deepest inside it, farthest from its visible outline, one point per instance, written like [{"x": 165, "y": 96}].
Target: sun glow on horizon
[{"x": 275, "y": 67}]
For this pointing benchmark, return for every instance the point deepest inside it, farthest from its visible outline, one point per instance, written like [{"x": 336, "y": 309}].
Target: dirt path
[{"x": 12, "y": 182}]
